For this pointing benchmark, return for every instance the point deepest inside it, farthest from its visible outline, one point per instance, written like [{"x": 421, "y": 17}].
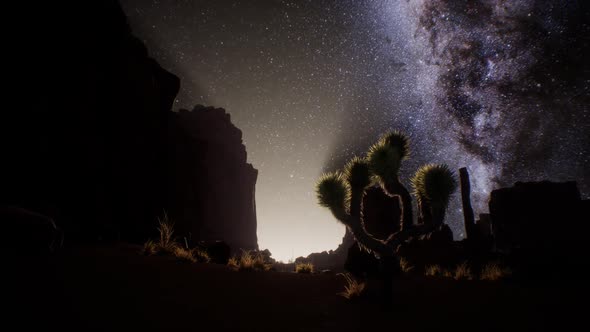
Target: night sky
[{"x": 501, "y": 87}]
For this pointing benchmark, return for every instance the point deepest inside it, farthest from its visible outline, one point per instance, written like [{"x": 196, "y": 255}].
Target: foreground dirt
[{"x": 116, "y": 289}]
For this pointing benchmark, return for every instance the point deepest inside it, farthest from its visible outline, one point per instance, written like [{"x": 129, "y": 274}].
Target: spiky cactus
[
  {"x": 358, "y": 176},
  {"x": 433, "y": 187},
  {"x": 385, "y": 159},
  {"x": 334, "y": 192}
]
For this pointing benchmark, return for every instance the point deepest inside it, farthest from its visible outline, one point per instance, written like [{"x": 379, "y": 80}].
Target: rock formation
[
  {"x": 92, "y": 144},
  {"x": 212, "y": 190},
  {"x": 541, "y": 222},
  {"x": 85, "y": 147}
]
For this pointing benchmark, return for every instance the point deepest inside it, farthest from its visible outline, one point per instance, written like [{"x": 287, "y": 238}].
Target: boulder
[{"x": 540, "y": 223}]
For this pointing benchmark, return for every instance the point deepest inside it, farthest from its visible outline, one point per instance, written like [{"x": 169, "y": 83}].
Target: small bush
[
  {"x": 405, "y": 265},
  {"x": 433, "y": 271},
  {"x": 304, "y": 268},
  {"x": 353, "y": 289},
  {"x": 249, "y": 262},
  {"x": 185, "y": 255},
  {"x": 167, "y": 245},
  {"x": 448, "y": 274},
  {"x": 233, "y": 263},
  {"x": 494, "y": 272},
  {"x": 463, "y": 272},
  {"x": 149, "y": 248},
  {"x": 201, "y": 255},
  {"x": 166, "y": 229}
]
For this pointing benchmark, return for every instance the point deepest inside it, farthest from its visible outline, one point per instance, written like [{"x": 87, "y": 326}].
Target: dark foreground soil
[{"x": 115, "y": 289}]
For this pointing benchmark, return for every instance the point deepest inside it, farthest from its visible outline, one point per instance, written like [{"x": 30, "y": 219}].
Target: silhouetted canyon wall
[
  {"x": 88, "y": 136},
  {"x": 212, "y": 193}
]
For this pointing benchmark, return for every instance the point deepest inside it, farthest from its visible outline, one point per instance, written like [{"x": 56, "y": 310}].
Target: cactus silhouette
[
  {"x": 342, "y": 192},
  {"x": 358, "y": 175},
  {"x": 433, "y": 187},
  {"x": 385, "y": 159},
  {"x": 334, "y": 192}
]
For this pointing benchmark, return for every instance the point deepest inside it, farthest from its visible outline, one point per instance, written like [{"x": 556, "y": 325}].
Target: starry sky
[{"x": 501, "y": 87}]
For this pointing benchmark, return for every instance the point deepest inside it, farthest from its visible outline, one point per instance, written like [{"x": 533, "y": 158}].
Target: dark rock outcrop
[
  {"x": 91, "y": 141},
  {"x": 85, "y": 146},
  {"x": 212, "y": 189},
  {"x": 540, "y": 223}
]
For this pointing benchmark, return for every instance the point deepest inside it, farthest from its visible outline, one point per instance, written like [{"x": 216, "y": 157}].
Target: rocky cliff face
[
  {"x": 86, "y": 145},
  {"x": 212, "y": 195},
  {"x": 92, "y": 142}
]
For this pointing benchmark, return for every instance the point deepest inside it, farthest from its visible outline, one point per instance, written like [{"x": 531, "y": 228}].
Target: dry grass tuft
[
  {"x": 304, "y": 268},
  {"x": 353, "y": 288},
  {"x": 249, "y": 262},
  {"x": 201, "y": 255},
  {"x": 166, "y": 229},
  {"x": 433, "y": 271},
  {"x": 463, "y": 272},
  {"x": 234, "y": 263},
  {"x": 149, "y": 248},
  {"x": 167, "y": 245},
  {"x": 405, "y": 265},
  {"x": 185, "y": 255},
  {"x": 448, "y": 274},
  {"x": 494, "y": 272}
]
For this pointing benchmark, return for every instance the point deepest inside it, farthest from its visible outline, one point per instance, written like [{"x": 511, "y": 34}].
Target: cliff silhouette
[{"x": 90, "y": 142}]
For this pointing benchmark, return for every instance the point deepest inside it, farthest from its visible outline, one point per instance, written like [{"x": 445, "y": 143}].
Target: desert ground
[{"x": 114, "y": 288}]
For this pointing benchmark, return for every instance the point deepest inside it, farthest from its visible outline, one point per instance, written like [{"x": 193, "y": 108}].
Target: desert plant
[
  {"x": 385, "y": 159},
  {"x": 249, "y": 262},
  {"x": 201, "y": 255},
  {"x": 433, "y": 187},
  {"x": 358, "y": 176},
  {"x": 463, "y": 272},
  {"x": 333, "y": 192},
  {"x": 166, "y": 230},
  {"x": 233, "y": 263},
  {"x": 304, "y": 268},
  {"x": 149, "y": 248},
  {"x": 184, "y": 254},
  {"x": 433, "y": 271},
  {"x": 353, "y": 288},
  {"x": 405, "y": 265},
  {"x": 494, "y": 272}
]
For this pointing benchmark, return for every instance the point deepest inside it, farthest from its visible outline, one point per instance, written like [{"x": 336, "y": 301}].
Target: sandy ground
[{"x": 116, "y": 289}]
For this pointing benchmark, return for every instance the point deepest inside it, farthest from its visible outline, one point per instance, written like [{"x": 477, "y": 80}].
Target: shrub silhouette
[
  {"x": 433, "y": 187},
  {"x": 304, "y": 268},
  {"x": 353, "y": 288},
  {"x": 249, "y": 261}
]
